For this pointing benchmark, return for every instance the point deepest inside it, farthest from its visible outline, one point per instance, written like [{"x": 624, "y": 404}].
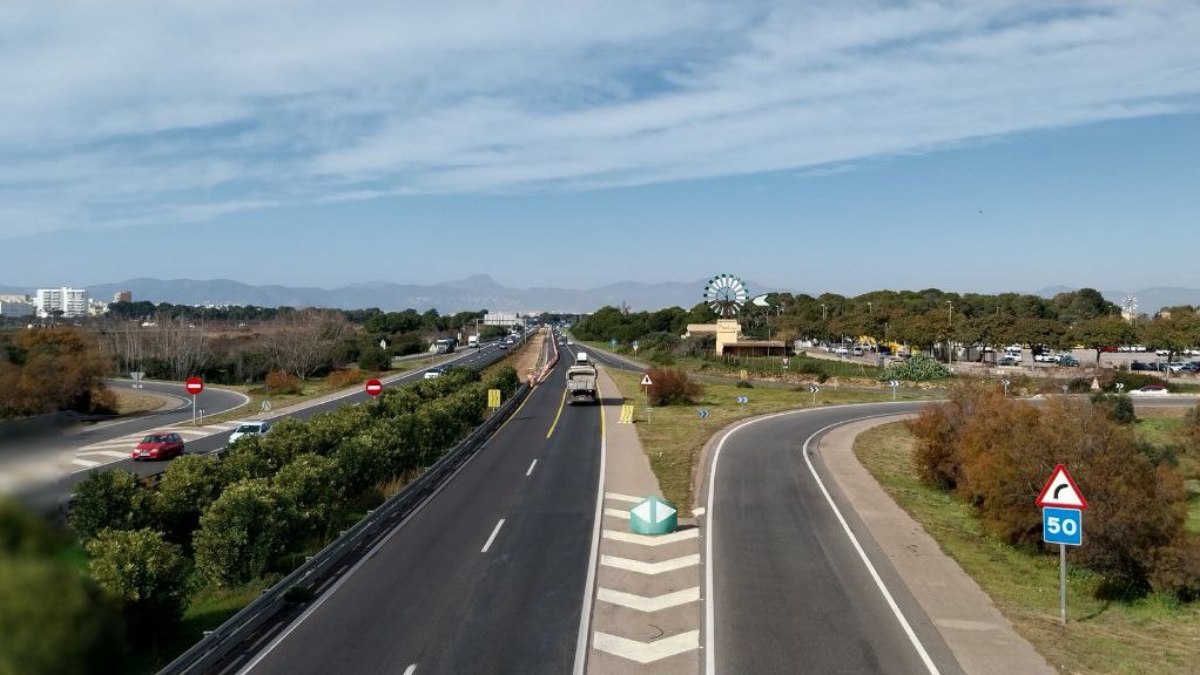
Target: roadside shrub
[
  {"x": 662, "y": 358},
  {"x": 919, "y": 368},
  {"x": 672, "y": 386},
  {"x": 279, "y": 382},
  {"x": 1132, "y": 381},
  {"x": 810, "y": 367},
  {"x": 340, "y": 379},
  {"x": 1079, "y": 385},
  {"x": 309, "y": 488},
  {"x": 111, "y": 499},
  {"x": 374, "y": 358},
  {"x": 938, "y": 428},
  {"x": 506, "y": 380},
  {"x": 1175, "y": 569},
  {"x": 744, "y": 384},
  {"x": 146, "y": 572},
  {"x": 1118, "y": 407},
  {"x": 23, "y": 533},
  {"x": 240, "y": 534},
  {"x": 190, "y": 484}
]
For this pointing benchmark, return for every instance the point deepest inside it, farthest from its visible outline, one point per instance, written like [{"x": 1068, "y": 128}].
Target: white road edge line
[
  {"x": 493, "y": 537},
  {"x": 341, "y": 580},
  {"x": 530, "y": 471},
  {"x": 710, "y": 649},
  {"x": 912, "y": 636},
  {"x": 589, "y": 589},
  {"x": 411, "y": 669}
]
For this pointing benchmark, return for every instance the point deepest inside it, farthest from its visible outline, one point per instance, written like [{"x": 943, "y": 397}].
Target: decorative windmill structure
[
  {"x": 1129, "y": 307},
  {"x": 725, "y": 294}
]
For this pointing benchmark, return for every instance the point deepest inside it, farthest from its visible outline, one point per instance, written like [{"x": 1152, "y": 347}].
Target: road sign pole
[
  {"x": 193, "y": 410},
  {"x": 1062, "y": 584}
]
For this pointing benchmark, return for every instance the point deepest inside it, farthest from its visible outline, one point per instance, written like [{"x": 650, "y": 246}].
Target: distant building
[
  {"x": 506, "y": 319},
  {"x": 70, "y": 302},
  {"x": 11, "y": 306},
  {"x": 123, "y": 296}
]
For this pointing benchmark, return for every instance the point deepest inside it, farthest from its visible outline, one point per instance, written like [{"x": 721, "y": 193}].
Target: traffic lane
[
  {"x": 213, "y": 443},
  {"x": 790, "y": 591},
  {"x": 525, "y": 608},
  {"x": 213, "y": 400},
  {"x": 397, "y": 605}
]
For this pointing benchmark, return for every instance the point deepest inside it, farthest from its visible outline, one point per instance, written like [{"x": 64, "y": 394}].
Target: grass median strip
[
  {"x": 1152, "y": 635},
  {"x": 673, "y": 436}
]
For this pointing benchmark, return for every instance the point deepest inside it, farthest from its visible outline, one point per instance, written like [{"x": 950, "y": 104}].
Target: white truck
[
  {"x": 473, "y": 341},
  {"x": 581, "y": 379}
]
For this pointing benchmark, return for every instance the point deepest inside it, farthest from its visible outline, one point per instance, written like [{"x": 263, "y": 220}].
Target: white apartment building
[
  {"x": 15, "y": 306},
  {"x": 72, "y": 302}
]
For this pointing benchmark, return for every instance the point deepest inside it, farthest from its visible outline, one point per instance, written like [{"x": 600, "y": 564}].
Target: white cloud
[{"x": 142, "y": 112}]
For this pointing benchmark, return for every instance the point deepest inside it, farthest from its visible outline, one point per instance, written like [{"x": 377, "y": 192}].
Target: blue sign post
[{"x": 1062, "y": 505}]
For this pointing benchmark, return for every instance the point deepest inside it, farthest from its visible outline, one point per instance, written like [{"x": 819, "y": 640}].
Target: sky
[{"x": 844, "y": 147}]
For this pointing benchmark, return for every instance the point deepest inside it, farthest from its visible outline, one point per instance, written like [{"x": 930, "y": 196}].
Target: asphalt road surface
[
  {"x": 790, "y": 591},
  {"x": 487, "y": 577}
]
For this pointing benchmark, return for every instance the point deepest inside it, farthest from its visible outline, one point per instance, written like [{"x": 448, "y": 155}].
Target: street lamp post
[{"x": 949, "y": 347}]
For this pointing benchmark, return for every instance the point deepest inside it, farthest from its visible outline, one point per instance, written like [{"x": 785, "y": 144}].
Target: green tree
[
  {"x": 240, "y": 534},
  {"x": 52, "y": 620},
  {"x": 23, "y": 533},
  {"x": 111, "y": 499},
  {"x": 146, "y": 572},
  {"x": 190, "y": 484},
  {"x": 1103, "y": 331},
  {"x": 309, "y": 487}
]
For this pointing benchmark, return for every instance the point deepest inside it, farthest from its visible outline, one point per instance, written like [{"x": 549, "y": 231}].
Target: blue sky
[{"x": 968, "y": 146}]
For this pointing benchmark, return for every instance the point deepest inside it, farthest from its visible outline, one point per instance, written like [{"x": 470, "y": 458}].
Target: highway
[{"x": 487, "y": 577}]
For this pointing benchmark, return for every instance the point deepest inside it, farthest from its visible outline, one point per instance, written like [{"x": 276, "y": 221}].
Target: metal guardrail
[{"x": 218, "y": 644}]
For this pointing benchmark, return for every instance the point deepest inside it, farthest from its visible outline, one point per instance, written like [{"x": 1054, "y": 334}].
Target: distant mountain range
[
  {"x": 483, "y": 292},
  {"x": 471, "y": 293}
]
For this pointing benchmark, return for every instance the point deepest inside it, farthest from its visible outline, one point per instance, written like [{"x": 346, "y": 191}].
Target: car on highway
[
  {"x": 434, "y": 373},
  {"x": 1150, "y": 390},
  {"x": 159, "y": 445},
  {"x": 250, "y": 428}
]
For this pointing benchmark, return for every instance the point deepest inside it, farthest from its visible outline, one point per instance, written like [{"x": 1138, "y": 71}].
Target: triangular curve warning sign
[
  {"x": 1061, "y": 491},
  {"x": 646, "y": 380}
]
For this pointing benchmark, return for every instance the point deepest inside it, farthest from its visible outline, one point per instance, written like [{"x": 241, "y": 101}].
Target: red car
[{"x": 159, "y": 445}]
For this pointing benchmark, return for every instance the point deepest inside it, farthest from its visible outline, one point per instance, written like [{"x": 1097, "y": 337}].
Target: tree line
[
  {"x": 214, "y": 523},
  {"x": 920, "y": 319}
]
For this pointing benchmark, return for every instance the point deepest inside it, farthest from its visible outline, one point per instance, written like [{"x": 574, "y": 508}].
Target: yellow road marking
[{"x": 557, "y": 414}]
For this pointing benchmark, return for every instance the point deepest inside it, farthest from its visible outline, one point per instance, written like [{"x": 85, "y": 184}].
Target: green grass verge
[
  {"x": 673, "y": 436},
  {"x": 756, "y": 367},
  {"x": 1152, "y": 635}
]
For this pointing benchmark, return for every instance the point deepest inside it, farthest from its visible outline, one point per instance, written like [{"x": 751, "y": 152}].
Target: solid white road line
[
  {"x": 647, "y": 652},
  {"x": 493, "y": 537},
  {"x": 650, "y": 568},
  {"x": 589, "y": 588},
  {"x": 644, "y": 603},
  {"x": 649, "y": 540},
  {"x": 410, "y": 670},
  {"x": 617, "y": 513},
  {"x": 530, "y": 471},
  {"x": 622, "y": 498}
]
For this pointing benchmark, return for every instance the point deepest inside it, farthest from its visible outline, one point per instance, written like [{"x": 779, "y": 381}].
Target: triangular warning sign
[
  {"x": 646, "y": 380},
  {"x": 1061, "y": 491}
]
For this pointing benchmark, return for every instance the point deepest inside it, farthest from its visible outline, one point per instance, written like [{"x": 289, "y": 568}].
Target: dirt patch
[
  {"x": 526, "y": 359},
  {"x": 130, "y": 402}
]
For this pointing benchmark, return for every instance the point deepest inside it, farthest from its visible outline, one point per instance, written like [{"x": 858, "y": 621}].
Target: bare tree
[
  {"x": 302, "y": 342},
  {"x": 178, "y": 343}
]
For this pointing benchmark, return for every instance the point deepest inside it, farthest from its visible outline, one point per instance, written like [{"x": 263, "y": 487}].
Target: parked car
[
  {"x": 1067, "y": 360},
  {"x": 250, "y": 428},
  {"x": 159, "y": 445},
  {"x": 1045, "y": 357},
  {"x": 1150, "y": 390},
  {"x": 1007, "y": 361}
]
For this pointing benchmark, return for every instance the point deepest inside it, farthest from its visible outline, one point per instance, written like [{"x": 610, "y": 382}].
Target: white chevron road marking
[
  {"x": 617, "y": 496},
  {"x": 109, "y": 453},
  {"x": 617, "y": 513},
  {"x": 650, "y": 568},
  {"x": 647, "y": 540},
  {"x": 647, "y": 652},
  {"x": 649, "y": 604}
]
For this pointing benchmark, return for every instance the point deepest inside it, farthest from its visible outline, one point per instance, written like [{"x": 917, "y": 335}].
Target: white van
[{"x": 1013, "y": 352}]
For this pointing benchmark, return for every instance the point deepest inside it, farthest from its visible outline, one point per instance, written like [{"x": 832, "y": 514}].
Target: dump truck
[{"x": 581, "y": 379}]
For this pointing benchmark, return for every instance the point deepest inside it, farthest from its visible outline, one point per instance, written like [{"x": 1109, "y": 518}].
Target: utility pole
[{"x": 949, "y": 347}]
